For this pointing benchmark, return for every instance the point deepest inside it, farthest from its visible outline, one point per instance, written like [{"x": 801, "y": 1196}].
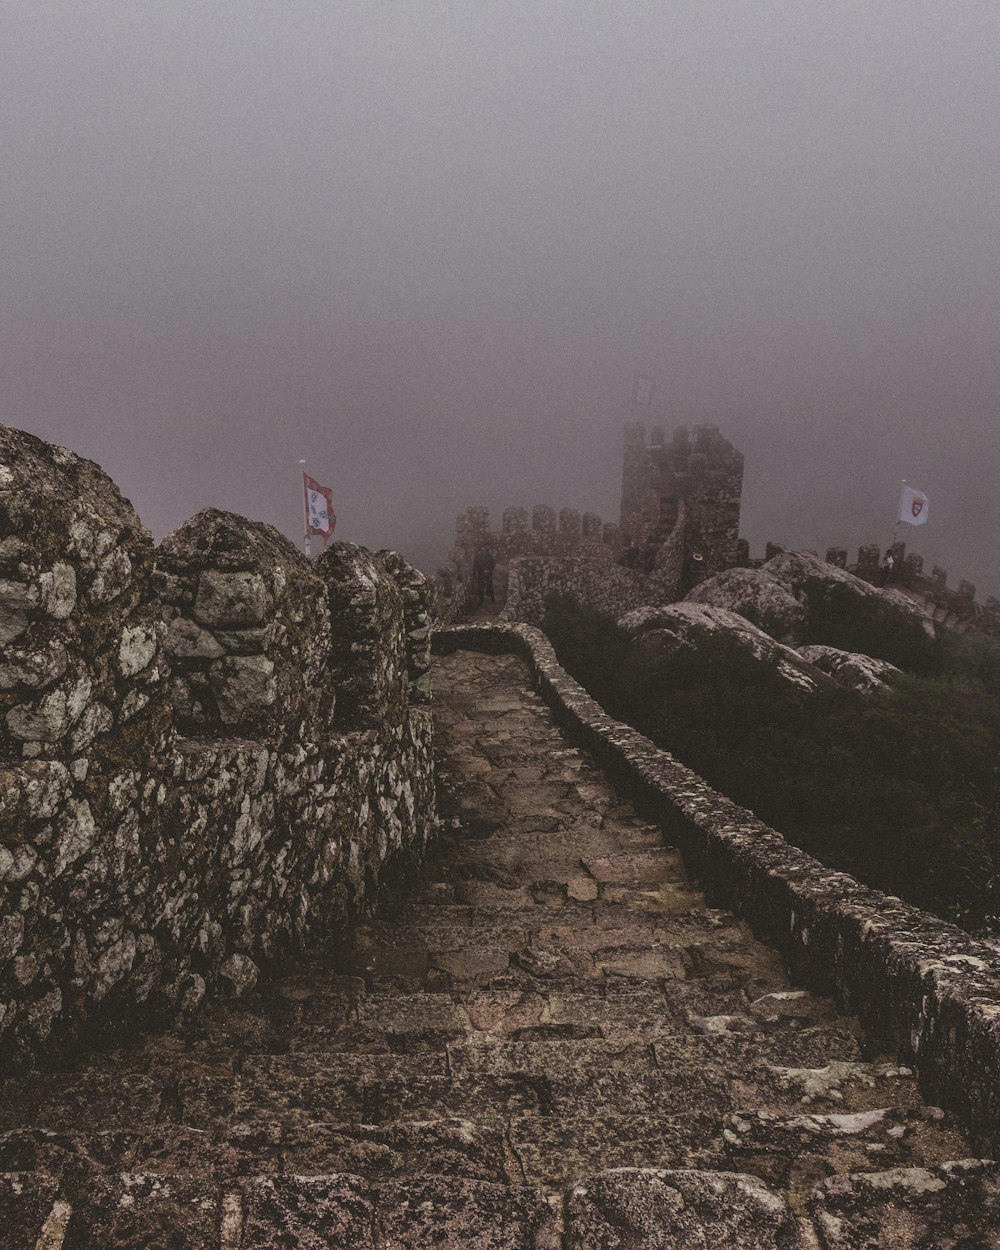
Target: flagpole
[
  {"x": 895, "y": 528},
  {"x": 307, "y": 547}
]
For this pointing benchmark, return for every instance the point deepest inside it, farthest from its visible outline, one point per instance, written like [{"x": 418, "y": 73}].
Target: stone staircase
[{"x": 550, "y": 1042}]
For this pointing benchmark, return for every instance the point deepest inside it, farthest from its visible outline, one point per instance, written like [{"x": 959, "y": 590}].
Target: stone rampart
[
  {"x": 955, "y": 607},
  {"x": 208, "y": 751},
  {"x": 918, "y": 984},
  {"x": 608, "y": 589},
  {"x": 541, "y": 533}
]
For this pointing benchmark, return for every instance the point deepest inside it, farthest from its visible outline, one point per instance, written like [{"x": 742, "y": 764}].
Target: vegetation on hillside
[{"x": 899, "y": 788}]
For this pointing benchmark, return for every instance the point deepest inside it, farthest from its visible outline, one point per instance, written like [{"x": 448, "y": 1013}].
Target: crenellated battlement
[
  {"x": 208, "y": 750},
  {"x": 954, "y": 607},
  {"x": 538, "y": 532}
]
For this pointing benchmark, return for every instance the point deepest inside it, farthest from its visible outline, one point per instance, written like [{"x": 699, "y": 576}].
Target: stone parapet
[
  {"x": 605, "y": 588},
  {"x": 918, "y": 984},
  {"x": 248, "y": 630},
  {"x": 208, "y": 751}
]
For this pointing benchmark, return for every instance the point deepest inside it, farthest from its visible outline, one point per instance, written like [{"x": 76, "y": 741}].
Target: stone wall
[
  {"x": 209, "y": 751},
  {"x": 955, "y": 607},
  {"x": 605, "y": 588},
  {"x": 540, "y": 533},
  {"x": 918, "y": 984}
]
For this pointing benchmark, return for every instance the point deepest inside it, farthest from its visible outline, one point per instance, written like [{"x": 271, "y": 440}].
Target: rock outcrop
[
  {"x": 798, "y": 599},
  {"x": 849, "y": 668},
  {"x": 830, "y": 593},
  {"x": 759, "y": 598},
  {"x": 664, "y": 631}
]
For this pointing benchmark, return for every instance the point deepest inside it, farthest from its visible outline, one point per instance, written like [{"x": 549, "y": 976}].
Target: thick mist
[{"x": 425, "y": 245}]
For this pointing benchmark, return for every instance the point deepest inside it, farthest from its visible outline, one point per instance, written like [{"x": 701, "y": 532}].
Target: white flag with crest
[{"x": 913, "y": 506}]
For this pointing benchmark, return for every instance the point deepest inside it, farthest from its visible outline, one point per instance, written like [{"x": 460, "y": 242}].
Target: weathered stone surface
[
  {"x": 406, "y": 1149},
  {"x": 29, "y": 1206},
  {"x": 230, "y": 600},
  {"x": 186, "y": 638},
  {"x": 307, "y": 1212},
  {"x": 796, "y": 1152},
  {"x": 143, "y": 1209},
  {"x": 663, "y": 631},
  {"x": 369, "y": 659},
  {"x": 557, "y": 1150},
  {"x": 604, "y": 588},
  {"x": 65, "y": 527},
  {"x": 219, "y": 572},
  {"x": 760, "y": 598},
  {"x": 473, "y": 1215},
  {"x": 954, "y": 1205},
  {"x": 655, "y": 1209},
  {"x": 141, "y": 869},
  {"x": 849, "y": 668}
]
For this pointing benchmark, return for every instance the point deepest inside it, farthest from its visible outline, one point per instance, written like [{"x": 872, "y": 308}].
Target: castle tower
[
  {"x": 636, "y": 470},
  {"x": 714, "y": 487},
  {"x": 699, "y": 467}
]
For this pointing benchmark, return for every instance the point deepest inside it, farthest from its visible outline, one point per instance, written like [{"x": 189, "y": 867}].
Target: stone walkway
[{"x": 551, "y": 1042}]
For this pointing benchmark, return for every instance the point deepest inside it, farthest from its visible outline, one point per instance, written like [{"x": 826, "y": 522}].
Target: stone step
[
  {"x": 425, "y": 921},
  {"x": 954, "y": 1205},
  {"x": 795, "y": 1152},
  {"x": 482, "y": 1076},
  {"x": 506, "y": 891},
  {"x": 444, "y": 1147},
  {"x": 550, "y": 1058},
  {"x": 729, "y": 1057},
  {"x": 838, "y": 1086},
  {"x": 660, "y": 1209},
  {"x": 483, "y": 1098},
  {"x": 511, "y": 956},
  {"x": 165, "y": 1212},
  {"x": 552, "y": 1150},
  {"x": 426, "y": 1021}
]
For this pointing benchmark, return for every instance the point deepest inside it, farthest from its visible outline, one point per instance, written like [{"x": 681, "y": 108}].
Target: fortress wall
[
  {"x": 919, "y": 985},
  {"x": 535, "y": 533},
  {"x": 207, "y": 751},
  {"x": 605, "y": 588}
]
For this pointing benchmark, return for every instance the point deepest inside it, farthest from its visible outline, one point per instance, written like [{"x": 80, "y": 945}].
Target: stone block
[
  {"x": 655, "y": 1209},
  {"x": 953, "y": 1205},
  {"x": 445, "y": 1214},
  {"x": 307, "y": 1212},
  {"x": 230, "y": 600},
  {"x": 74, "y": 547},
  {"x": 543, "y": 518},
  {"x": 145, "y": 1210},
  {"x": 31, "y": 1213}
]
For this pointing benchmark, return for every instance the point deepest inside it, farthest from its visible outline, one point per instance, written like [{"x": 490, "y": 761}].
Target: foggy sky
[{"x": 425, "y": 245}]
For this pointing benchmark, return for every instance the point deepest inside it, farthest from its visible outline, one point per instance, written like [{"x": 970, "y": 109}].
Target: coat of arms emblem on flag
[{"x": 320, "y": 517}]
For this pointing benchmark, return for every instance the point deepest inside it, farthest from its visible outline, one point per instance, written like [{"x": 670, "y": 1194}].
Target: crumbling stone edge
[{"x": 918, "y": 984}]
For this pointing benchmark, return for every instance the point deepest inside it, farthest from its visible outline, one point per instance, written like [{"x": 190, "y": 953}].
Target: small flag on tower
[
  {"x": 912, "y": 506},
  {"x": 320, "y": 518}
]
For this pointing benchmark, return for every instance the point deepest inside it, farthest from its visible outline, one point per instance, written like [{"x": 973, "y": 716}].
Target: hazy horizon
[{"x": 426, "y": 246}]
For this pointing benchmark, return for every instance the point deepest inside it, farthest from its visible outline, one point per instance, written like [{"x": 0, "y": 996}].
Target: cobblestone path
[{"x": 551, "y": 1042}]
